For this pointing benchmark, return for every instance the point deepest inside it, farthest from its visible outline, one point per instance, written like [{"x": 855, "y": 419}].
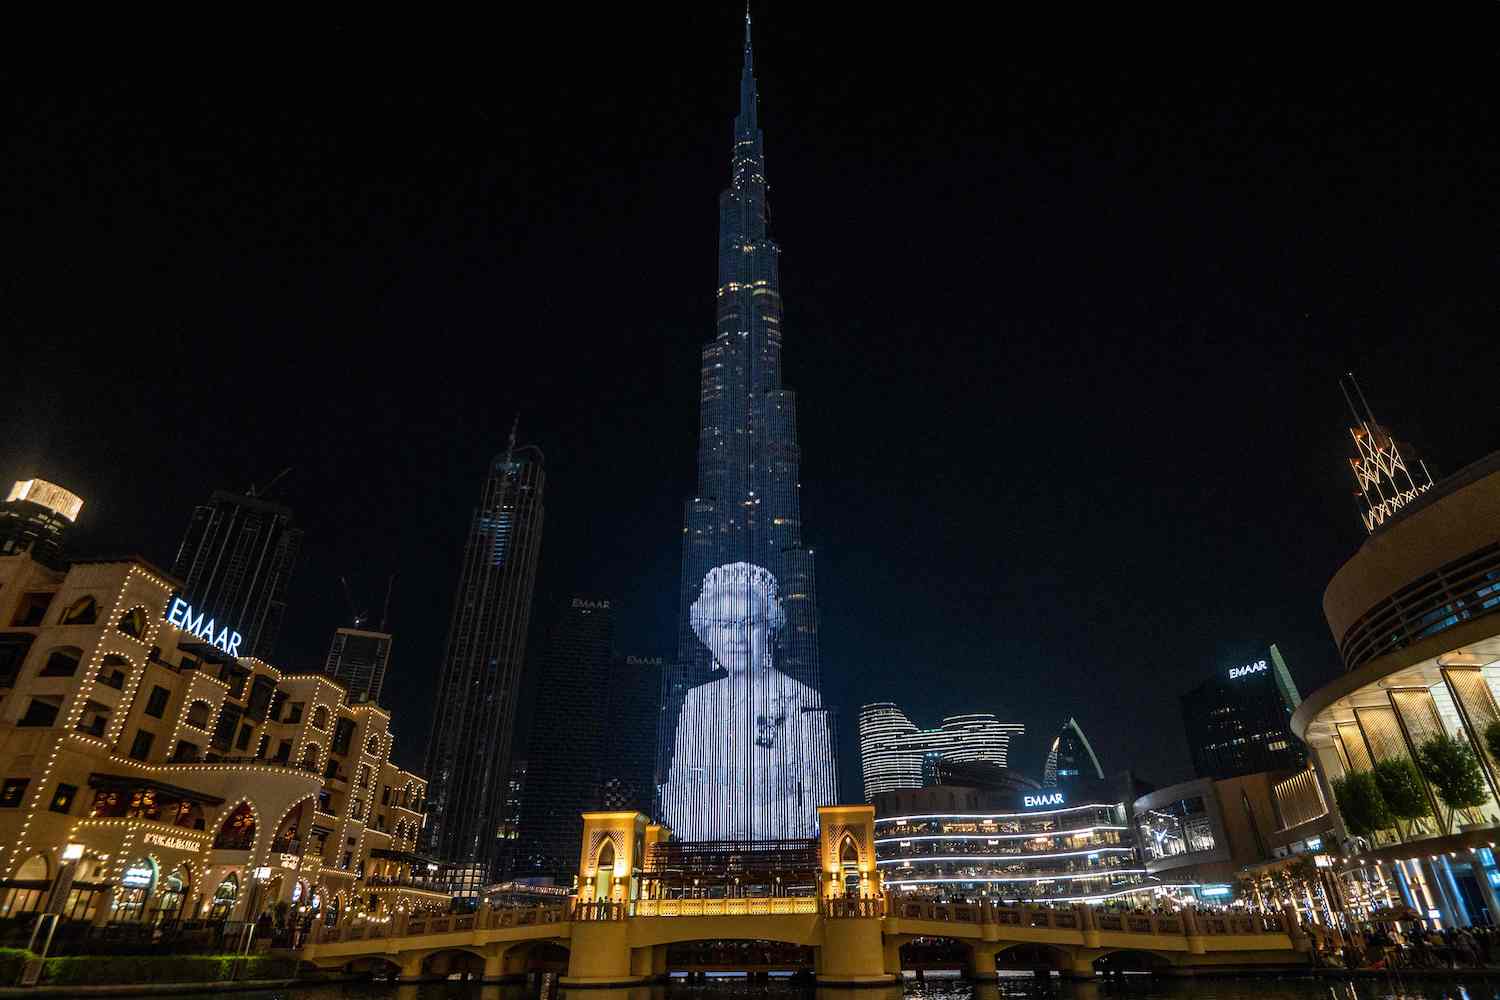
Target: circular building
[{"x": 1416, "y": 617}]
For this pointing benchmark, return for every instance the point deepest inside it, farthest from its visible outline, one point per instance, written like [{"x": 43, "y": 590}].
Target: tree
[
  {"x": 1401, "y": 787},
  {"x": 1452, "y": 768},
  {"x": 1492, "y": 738},
  {"x": 1360, "y": 803}
]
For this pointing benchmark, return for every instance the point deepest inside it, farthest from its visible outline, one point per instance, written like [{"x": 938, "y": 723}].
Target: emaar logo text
[
  {"x": 1051, "y": 799},
  {"x": 1259, "y": 666},
  {"x": 181, "y": 615}
]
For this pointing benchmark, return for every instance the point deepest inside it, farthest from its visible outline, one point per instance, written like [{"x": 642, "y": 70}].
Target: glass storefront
[{"x": 1181, "y": 827}]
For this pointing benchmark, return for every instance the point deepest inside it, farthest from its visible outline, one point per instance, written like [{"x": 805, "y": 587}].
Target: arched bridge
[{"x": 851, "y": 941}]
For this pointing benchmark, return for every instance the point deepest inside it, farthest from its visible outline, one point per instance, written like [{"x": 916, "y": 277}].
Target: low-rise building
[
  {"x": 149, "y": 772},
  {"x": 1028, "y": 844}
]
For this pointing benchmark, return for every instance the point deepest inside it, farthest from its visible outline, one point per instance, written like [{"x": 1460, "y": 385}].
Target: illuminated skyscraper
[
  {"x": 237, "y": 559},
  {"x": 468, "y": 751},
  {"x": 1071, "y": 759},
  {"x": 35, "y": 518},
  {"x": 1240, "y": 722},
  {"x": 894, "y": 753},
  {"x": 747, "y": 511}
]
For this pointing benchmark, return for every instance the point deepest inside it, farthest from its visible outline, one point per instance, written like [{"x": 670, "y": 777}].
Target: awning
[{"x": 126, "y": 783}]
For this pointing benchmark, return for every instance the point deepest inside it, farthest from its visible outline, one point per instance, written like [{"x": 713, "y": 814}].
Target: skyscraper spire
[{"x": 749, "y": 60}]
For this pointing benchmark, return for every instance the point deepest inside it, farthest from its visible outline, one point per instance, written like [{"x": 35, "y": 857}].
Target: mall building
[
  {"x": 149, "y": 773},
  {"x": 1005, "y": 844},
  {"x": 1416, "y": 617}
]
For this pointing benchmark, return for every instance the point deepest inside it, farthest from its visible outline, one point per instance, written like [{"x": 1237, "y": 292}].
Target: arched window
[
  {"x": 197, "y": 714},
  {"x": 310, "y": 757},
  {"x": 238, "y": 831},
  {"x": 320, "y": 718},
  {"x": 84, "y": 611},
  {"x": 133, "y": 623},
  {"x": 607, "y": 856},
  {"x": 62, "y": 662},
  {"x": 848, "y": 853},
  {"x": 224, "y": 897}
]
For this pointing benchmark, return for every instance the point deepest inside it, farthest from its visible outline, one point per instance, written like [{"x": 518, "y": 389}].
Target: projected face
[{"x": 736, "y": 615}]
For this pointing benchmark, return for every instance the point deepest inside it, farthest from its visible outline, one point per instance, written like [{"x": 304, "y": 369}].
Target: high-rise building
[
  {"x": 359, "y": 658},
  {"x": 35, "y": 518},
  {"x": 236, "y": 560},
  {"x": 468, "y": 751},
  {"x": 745, "y": 773},
  {"x": 1070, "y": 759},
  {"x": 1240, "y": 722},
  {"x": 629, "y": 761},
  {"x": 567, "y": 738},
  {"x": 510, "y": 821},
  {"x": 894, "y": 753}
]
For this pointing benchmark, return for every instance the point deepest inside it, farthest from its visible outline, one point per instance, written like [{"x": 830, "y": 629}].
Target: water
[{"x": 1464, "y": 987}]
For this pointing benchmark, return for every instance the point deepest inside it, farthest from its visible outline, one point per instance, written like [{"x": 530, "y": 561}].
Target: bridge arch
[
  {"x": 1119, "y": 960},
  {"x": 920, "y": 953},
  {"x": 466, "y": 963}
]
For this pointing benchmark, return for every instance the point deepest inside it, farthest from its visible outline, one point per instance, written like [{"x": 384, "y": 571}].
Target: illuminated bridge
[{"x": 624, "y": 928}]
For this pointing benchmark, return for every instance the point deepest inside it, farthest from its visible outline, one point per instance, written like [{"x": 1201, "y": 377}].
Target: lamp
[
  {"x": 262, "y": 873},
  {"x": 72, "y": 852}
]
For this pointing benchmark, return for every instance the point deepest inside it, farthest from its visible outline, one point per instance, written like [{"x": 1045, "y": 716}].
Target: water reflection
[{"x": 933, "y": 988}]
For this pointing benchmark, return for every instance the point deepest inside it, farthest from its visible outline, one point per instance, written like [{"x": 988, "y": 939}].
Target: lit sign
[
  {"x": 1216, "y": 890},
  {"x": 181, "y": 615},
  {"x": 1258, "y": 667},
  {"x": 1050, "y": 799},
  {"x": 290, "y": 861},
  {"x": 579, "y": 602},
  {"x": 643, "y": 661},
  {"x": 138, "y": 876},
  {"x": 1322, "y": 861},
  {"x": 175, "y": 843}
]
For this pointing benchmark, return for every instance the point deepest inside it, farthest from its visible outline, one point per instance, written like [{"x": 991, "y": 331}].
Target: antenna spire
[{"x": 1382, "y": 480}]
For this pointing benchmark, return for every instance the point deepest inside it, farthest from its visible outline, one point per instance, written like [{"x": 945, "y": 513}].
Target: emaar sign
[
  {"x": 1258, "y": 667},
  {"x": 1050, "y": 799},
  {"x": 181, "y": 614}
]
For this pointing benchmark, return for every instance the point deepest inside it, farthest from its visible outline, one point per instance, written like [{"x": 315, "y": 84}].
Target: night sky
[{"x": 1066, "y": 324}]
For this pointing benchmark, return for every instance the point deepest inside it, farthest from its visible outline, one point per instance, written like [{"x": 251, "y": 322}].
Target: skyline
[{"x": 1106, "y": 540}]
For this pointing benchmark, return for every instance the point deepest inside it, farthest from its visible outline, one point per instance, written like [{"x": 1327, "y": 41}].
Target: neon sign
[
  {"x": 1050, "y": 799},
  {"x": 181, "y": 615},
  {"x": 1258, "y": 667}
]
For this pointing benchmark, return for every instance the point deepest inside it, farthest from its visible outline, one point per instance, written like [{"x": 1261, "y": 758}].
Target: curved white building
[{"x": 892, "y": 750}]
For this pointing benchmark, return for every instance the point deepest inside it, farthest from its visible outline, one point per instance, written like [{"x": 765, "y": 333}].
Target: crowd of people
[{"x": 1390, "y": 947}]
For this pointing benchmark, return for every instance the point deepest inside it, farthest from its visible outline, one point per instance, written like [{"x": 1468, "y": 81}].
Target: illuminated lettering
[
  {"x": 1259, "y": 666},
  {"x": 1050, "y": 799},
  {"x": 579, "y": 602},
  {"x": 180, "y": 613},
  {"x": 175, "y": 843}
]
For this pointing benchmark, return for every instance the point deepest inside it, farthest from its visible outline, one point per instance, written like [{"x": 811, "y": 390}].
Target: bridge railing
[
  {"x": 408, "y": 925},
  {"x": 1087, "y": 918},
  {"x": 741, "y": 906}
]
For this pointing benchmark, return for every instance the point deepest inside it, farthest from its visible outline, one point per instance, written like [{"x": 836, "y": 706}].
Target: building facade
[
  {"x": 1070, "y": 759},
  {"x": 1037, "y": 845},
  {"x": 1205, "y": 833},
  {"x": 35, "y": 518},
  {"x": 752, "y": 783},
  {"x": 358, "y": 658},
  {"x": 188, "y": 781},
  {"x": 473, "y": 722},
  {"x": 568, "y": 738},
  {"x": 1416, "y": 617},
  {"x": 236, "y": 562},
  {"x": 1240, "y": 722},
  {"x": 894, "y": 753}
]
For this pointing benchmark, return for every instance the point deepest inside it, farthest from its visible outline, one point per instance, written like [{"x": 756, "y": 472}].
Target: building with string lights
[
  {"x": 894, "y": 753},
  {"x": 150, "y": 772}
]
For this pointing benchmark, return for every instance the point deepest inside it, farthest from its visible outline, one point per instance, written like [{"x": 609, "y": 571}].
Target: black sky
[{"x": 1066, "y": 323}]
